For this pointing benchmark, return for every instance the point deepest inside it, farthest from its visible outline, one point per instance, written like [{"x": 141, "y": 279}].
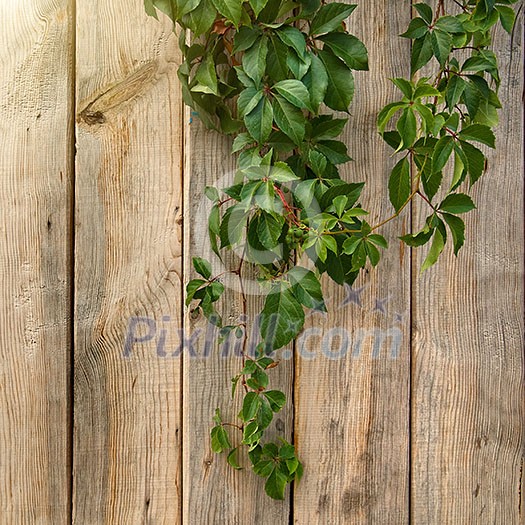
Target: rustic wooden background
[{"x": 101, "y": 175}]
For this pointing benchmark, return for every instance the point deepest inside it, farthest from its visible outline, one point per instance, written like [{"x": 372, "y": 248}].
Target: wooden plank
[
  {"x": 468, "y": 416},
  {"x": 351, "y": 405},
  {"x": 35, "y": 222},
  {"x": 213, "y": 491},
  {"x": 128, "y": 264}
]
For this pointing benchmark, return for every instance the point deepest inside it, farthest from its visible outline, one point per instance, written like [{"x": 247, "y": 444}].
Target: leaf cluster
[{"x": 278, "y": 75}]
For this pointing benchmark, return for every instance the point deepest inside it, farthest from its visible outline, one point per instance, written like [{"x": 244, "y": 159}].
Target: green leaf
[
  {"x": 372, "y": 253},
  {"x": 250, "y": 406},
  {"x": 460, "y": 167},
  {"x": 276, "y": 64},
  {"x": 231, "y": 9},
  {"x": 185, "y": 6},
  {"x": 250, "y": 367},
  {"x": 334, "y": 150},
  {"x": 232, "y": 226},
  {"x": 435, "y": 251},
  {"x": 202, "y": 267},
  {"x": 242, "y": 140},
  {"x": 276, "y": 484},
  {"x": 352, "y": 191},
  {"x": 232, "y": 459},
  {"x": 269, "y": 228},
  {"x": 379, "y": 240},
  {"x": 405, "y": 87},
  {"x": 206, "y": 77},
  {"x": 457, "y": 203},
  {"x": 220, "y": 440},
  {"x": 450, "y": 24},
  {"x": 416, "y": 29},
  {"x": 245, "y": 38},
  {"x": 431, "y": 180},
  {"x": 298, "y": 66},
  {"x": 248, "y": 100},
  {"x": 441, "y": 45},
  {"x": 386, "y": 114},
  {"x": 281, "y": 172},
  {"x": 329, "y": 17},
  {"x": 425, "y": 12},
  {"x": 235, "y": 381},
  {"x": 359, "y": 257},
  {"x": 289, "y": 119},
  {"x": 215, "y": 290},
  {"x": 254, "y": 60},
  {"x": 265, "y": 414},
  {"x": 150, "y": 8},
  {"x": 455, "y": 88},
  {"x": 292, "y": 37},
  {"x": 295, "y": 92},
  {"x": 251, "y": 433},
  {"x": 457, "y": 228},
  {"x": 259, "y": 121},
  {"x": 340, "y": 79},
  {"x": 425, "y": 90},
  {"x": 351, "y": 244},
  {"x": 442, "y": 152},
  {"x": 507, "y": 17},
  {"x": 282, "y": 317},
  {"x": 276, "y": 398},
  {"x": 399, "y": 185},
  {"x": 349, "y": 49},
  {"x": 214, "y": 228},
  {"x": 167, "y": 7},
  {"x": 419, "y": 239},
  {"x": 260, "y": 378},
  {"x": 307, "y": 288},
  {"x": 265, "y": 362},
  {"x": 316, "y": 80},
  {"x": 191, "y": 288},
  {"x": 340, "y": 204},
  {"x": 421, "y": 52},
  {"x": 211, "y": 193},
  {"x": 479, "y": 133},
  {"x": 475, "y": 161},
  {"x": 327, "y": 128},
  {"x": 200, "y": 19},
  {"x": 407, "y": 127},
  {"x": 258, "y": 6},
  {"x": 428, "y": 120}
]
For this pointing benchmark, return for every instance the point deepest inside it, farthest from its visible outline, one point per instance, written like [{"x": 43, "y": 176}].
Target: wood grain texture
[
  {"x": 127, "y": 263},
  {"x": 214, "y": 493},
  {"x": 468, "y": 418},
  {"x": 36, "y": 64},
  {"x": 352, "y": 413}
]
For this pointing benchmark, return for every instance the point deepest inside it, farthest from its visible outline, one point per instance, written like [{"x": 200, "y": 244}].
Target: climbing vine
[{"x": 278, "y": 75}]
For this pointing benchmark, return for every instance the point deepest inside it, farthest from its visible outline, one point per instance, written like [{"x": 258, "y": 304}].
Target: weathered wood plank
[
  {"x": 36, "y": 63},
  {"x": 214, "y": 492},
  {"x": 128, "y": 263},
  {"x": 352, "y": 396},
  {"x": 467, "y": 432}
]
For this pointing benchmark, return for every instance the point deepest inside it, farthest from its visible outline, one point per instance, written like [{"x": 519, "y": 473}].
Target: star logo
[
  {"x": 381, "y": 305},
  {"x": 353, "y": 296}
]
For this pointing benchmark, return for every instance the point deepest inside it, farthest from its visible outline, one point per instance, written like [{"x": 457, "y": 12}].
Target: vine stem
[
  {"x": 244, "y": 302},
  {"x": 286, "y": 205},
  {"x": 398, "y": 212},
  {"x": 224, "y": 424},
  {"x": 460, "y": 5}
]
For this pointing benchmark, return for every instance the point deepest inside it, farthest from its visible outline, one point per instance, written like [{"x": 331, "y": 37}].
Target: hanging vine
[{"x": 268, "y": 72}]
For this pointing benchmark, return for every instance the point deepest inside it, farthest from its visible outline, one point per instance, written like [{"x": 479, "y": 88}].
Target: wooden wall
[{"x": 104, "y": 420}]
